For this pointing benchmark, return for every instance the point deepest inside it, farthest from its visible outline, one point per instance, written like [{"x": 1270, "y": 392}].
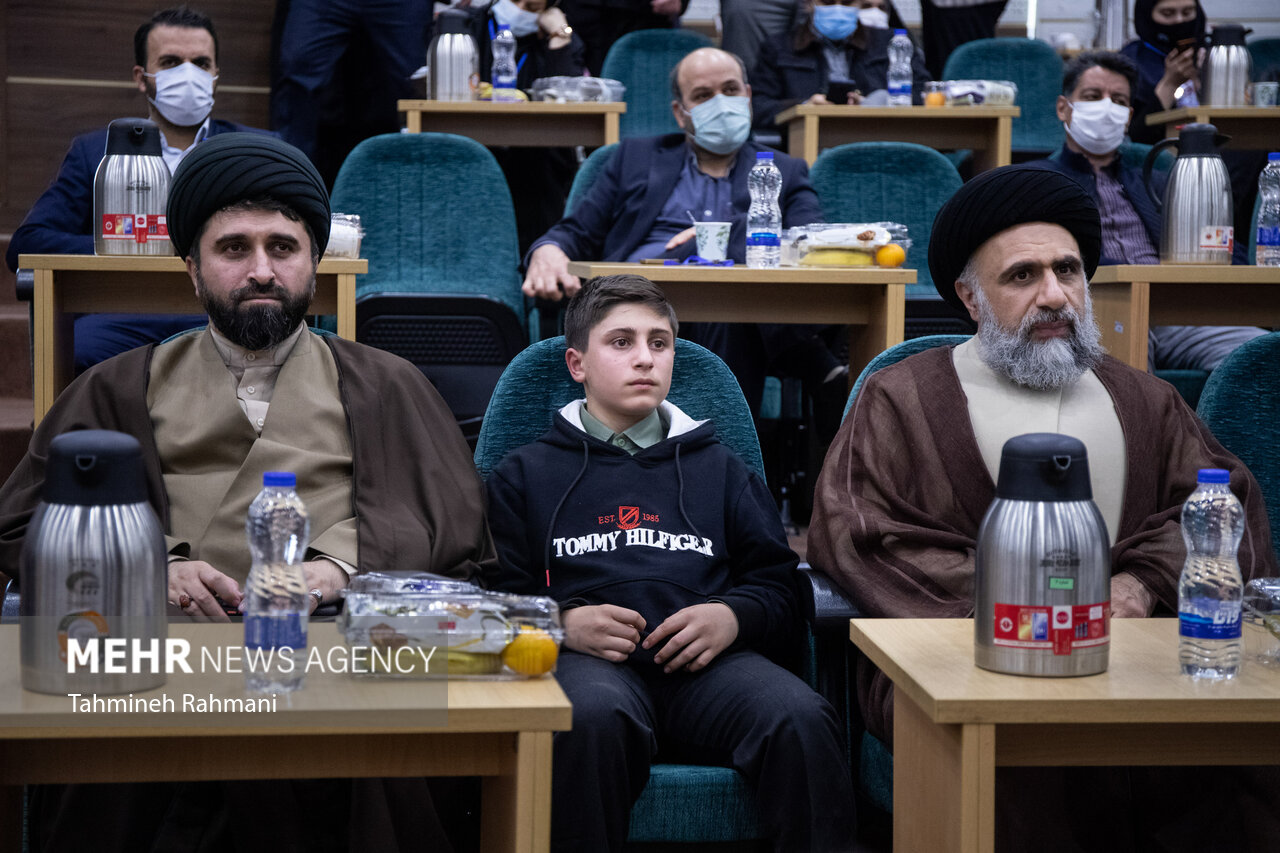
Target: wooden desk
[
  {"x": 1248, "y": 127},
  {"x": 337, "y": 726},
  {"x": 140, "y": 284},
  {"x": 955, "y": 723},
  {"x": 1130, "y": 298},
  {"x": 810, "y": 128},
  {"x": 870, "y": 299},
  {"x": 517, "y": 123}
]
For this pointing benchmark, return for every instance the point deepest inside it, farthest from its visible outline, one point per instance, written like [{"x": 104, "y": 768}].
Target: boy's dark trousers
[{"x": 742, "y": 711}]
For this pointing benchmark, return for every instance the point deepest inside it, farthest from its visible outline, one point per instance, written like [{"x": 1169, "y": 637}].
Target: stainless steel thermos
[
  {"x": 453, "y": 60},
  {"x": 92, "y": 567},
  {"x": 1226, "y": 68},
  {"x": 130, "y": 191},
  {"x": 1196, "y": 211},
  {"x": 1042, "y": 590}
]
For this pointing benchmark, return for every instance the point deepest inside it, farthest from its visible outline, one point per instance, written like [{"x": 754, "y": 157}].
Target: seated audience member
[
  {"x": 176, "y": 56},
  {"x": 947, "y": 24},
  {"x": 1095, "y": 109},
  {"x": 747, "y": 24},
  {"x": 639, "y": 207},
  {"x": 385, "y": 474},
  {"x": 546, "y": 46},
  {"x": 665, "y": 649},
  {"x": 836, "y": 48},
  {"x": 600, "y": 23},
  {"x": 913, "y": 469}
]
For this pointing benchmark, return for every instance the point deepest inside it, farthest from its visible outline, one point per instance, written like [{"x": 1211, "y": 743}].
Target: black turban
[
  {"x": 1002, "y": 198},
  {"x": 234, "y": 167}
]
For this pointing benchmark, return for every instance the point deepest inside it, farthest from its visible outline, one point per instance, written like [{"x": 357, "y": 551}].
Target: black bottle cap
[
  {"x": 1044, "y": 466},
  {"x": 133, "y": 136},
  {"x": 94, "y": 467}
]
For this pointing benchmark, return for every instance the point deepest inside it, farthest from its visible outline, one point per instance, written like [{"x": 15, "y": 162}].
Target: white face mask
[
  {"x": 1098, "y": 126},
  {"x": 184, "y": 94},
  {"x": 521, "y": 22},
  {"x": 873, "y": 18}
]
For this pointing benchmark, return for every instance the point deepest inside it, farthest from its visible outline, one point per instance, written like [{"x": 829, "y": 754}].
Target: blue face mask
[
  {"x": 835, "y": 22},
  {"x": 721, "y": 124}
]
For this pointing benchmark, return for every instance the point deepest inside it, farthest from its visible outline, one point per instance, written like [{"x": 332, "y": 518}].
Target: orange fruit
[
  {"x": 891, "y": 255},
  {"x": 935, "y": 99},
  {"x": 531, "y": 652}
]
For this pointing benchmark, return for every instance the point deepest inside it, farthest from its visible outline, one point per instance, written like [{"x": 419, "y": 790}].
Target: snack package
[
  {"x": 454, "y": 629},
  {"x": 837, "y": 244},
  {"x": 1001, "y": 93},
  {"x": 570, "y": 90}
]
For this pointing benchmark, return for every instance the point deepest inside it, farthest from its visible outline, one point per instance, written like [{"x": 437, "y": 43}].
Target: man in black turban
[
  {"x": 214, "y": 409},
  {"x": 913, "y": 469}
]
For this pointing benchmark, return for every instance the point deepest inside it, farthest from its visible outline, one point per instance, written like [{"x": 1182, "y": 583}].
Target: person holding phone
[
  {"x": 838, "y": 53},
  {"x": 1168, "y": 52}
]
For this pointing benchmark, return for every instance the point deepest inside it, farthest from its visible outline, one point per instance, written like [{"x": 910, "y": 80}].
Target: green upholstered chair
[
  {"x": 1037, "y": 70},
  {"x": 888, "y": 181},
  {"x": 1241, "y": 406},
  {"x": 1266, "y": 58},
  {"x": 681, "y": 803},
  {"x": 897, "y": 353},
  {"x": 642, "y": 61},
  {"x": 443, "y": 287},
  {"x": 587, "y": 173}
]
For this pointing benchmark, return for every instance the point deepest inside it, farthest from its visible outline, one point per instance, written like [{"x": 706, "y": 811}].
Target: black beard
[{"x": 255, "y": 327}]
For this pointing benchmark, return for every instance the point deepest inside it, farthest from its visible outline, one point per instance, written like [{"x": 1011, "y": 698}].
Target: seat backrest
[
  {"x": 1265, "y": 54},
  {"x": 1241, "y": 406},
  {"x": 642, "y": 61},
  {"x": 1037, "y": 70},
  {"x": 437, "y": 217},
  {"x": 897, "y": 353},
  {"x": 587, "y": 174},
  {"x": 537, "y": 384},
  {"x": 888, "y": 181}
]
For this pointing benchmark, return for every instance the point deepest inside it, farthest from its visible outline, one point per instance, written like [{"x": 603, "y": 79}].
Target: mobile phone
[{"x": 838, "y": 92}]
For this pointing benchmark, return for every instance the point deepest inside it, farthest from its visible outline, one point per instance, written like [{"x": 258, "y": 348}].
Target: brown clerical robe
[{"x": 904, "y": 489}]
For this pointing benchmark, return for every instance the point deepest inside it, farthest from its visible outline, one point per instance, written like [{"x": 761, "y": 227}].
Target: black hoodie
[{"x": 680, "y": 523}]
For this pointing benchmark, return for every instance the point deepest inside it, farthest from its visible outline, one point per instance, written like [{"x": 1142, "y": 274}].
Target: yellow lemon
[
  {"x": 891, "y": 255},
  {"x": 531, "y": 652}
]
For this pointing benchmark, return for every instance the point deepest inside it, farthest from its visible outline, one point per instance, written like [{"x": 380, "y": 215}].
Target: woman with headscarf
[
  {"x": 839, "y": 48},
  {"x": 1168, "y": 52}
]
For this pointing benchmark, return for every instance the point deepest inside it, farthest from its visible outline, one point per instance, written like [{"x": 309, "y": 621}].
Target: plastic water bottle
[
  {"x": 764, "y": 217},
  {"x": 901, "y": 50},
  {"x": 1211, "y": 588},
  {"x": 1269, "y": 213},
  {"x": 503, "y": 71},
  {"x": 276, "y": 600}
]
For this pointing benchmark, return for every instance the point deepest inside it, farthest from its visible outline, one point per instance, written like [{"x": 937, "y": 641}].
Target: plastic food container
[
  {"x": 1001, "y": 93},
  {"x": 846, "y": 244},
  {"x": 427, "y": 626},
  {"x": 345, "y": 234},
  {"x": 570, "y": 90}
]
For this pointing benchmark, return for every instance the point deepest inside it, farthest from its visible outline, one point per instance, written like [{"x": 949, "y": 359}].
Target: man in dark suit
[
  {"x": 176, "y": 52},
  {"x": 640, "y": 204}
]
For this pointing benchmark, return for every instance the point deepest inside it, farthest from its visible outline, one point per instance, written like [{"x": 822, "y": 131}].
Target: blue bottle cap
[
  {"x": 283, "y": 479},
  {"x": 1213, "y": 475},
  {"x": 764, "y": 155},
  {"x": 1273, "y": 157},
  {"x": 899, "y": 32}
]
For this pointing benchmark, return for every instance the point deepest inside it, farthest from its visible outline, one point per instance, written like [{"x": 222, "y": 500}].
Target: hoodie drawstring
[
  {"x": 551, "y": 527},
  {"x": 680, "y": 493}
]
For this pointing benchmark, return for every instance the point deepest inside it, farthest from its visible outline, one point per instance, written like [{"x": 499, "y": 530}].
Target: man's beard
[
  {"x": 256, "y": 327},
  {"x": 1040, "y": 365}
]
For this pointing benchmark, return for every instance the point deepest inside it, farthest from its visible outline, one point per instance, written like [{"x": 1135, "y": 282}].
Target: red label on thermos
[{"x": 1057, "y": 627}]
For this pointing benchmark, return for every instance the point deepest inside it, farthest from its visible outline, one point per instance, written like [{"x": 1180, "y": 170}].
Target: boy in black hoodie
[{"x": 669, "y": 562}]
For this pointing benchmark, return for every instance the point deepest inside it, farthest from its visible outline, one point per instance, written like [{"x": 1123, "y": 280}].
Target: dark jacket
[
  {"x": 61, "y": 220},
  {"x": 1077, "y": 167},
  {"x": 539, "y": 60},
  {"x": 786, "y": 75},
  {"x": 1150, "y": 64},
  {"x": 680, "y": 523},
  {"x": 616, "y": 215}
]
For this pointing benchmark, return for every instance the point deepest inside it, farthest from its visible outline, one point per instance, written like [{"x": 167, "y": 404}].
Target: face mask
[
  {"x": 835, "y": 22},
  {"x": 522, "y": 23},
  {"x": 1098, "y": 126},
  {"x": 873, "y": 18},
  {"x": 1168, "y": 35},
  {"x": 721, "y": 124},
  {"x": 184, "y": 94}
]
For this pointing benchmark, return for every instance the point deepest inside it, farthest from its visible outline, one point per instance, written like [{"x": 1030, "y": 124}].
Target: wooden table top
[
  {"x": 932, "y": 660},
  {"x": 741, "y": 273},
  {"x": 530, "y": 108},
  {"x": 1186, "y": 274},
  {"x": 158, "y": 263},
  {"x": 1185, "y": 114},
  {"x": 329, "y": 702},
  {"x": 945, "y": 113}
]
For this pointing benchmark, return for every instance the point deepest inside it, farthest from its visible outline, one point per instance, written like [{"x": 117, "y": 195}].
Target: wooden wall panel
[{"x": 74, "y": 43}]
